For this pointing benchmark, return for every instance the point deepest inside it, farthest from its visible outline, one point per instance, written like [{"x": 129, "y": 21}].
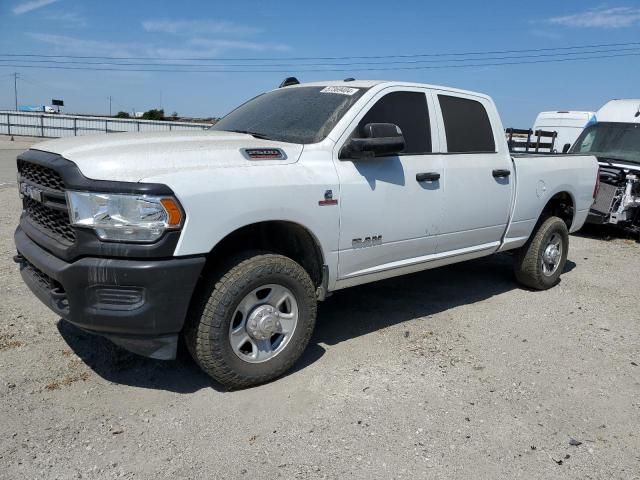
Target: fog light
[{"x": 117, "y": 298}]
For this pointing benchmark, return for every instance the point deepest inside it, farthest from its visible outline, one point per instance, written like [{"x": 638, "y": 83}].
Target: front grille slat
[
  {"x": 55, "y": 222},
  {"x": 40, "y": 175},
  {"x": 52, "y": 215}
]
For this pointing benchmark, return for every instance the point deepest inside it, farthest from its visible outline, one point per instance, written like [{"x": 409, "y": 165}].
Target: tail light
[{"x": 596, "y": 189}]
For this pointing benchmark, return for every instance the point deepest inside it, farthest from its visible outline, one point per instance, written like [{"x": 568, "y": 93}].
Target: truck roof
[
  {"x": 623, "y": 110},
  {"x": 389, "y": 83},
  {"x": 566, "y": 115}
]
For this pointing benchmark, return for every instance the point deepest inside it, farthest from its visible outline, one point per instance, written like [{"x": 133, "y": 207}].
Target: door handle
[
  {"x": 427, "y": 177},
  {"x": 499, "y": 173}
]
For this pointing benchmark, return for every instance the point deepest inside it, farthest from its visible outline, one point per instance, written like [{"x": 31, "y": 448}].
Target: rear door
[
  {"x": 478, "y": 173},
  {"x": 388, "y": 215}
]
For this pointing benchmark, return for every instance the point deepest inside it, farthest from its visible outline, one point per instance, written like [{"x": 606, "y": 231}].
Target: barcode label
[{"x": 340, "y": 90}]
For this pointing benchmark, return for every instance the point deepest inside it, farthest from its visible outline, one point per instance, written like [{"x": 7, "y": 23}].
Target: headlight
[{"x": 124, "y": 218}]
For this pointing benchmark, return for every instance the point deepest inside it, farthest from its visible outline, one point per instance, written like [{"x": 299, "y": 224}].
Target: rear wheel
[
  {"x": 254, "y": 321},
  {"x": 541, "y": 261}
]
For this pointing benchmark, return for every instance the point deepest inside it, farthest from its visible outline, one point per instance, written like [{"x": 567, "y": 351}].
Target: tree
[
  {"x": 123, "y": 115},
  {"x": 153, "y": 114},
  {"x": 174, "y": 116}
]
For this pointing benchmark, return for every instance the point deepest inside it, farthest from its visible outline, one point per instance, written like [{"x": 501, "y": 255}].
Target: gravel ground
[{"x": 452, "y": 373}]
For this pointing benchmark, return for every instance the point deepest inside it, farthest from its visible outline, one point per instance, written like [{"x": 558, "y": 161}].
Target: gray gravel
[
  {"x": 9, "y": 149},
  {"x": 452, "y": 373}
]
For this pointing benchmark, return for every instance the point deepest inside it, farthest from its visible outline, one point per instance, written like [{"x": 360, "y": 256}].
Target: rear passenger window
[
  {"x": 466, "y": 125},
  {"x": 409, "y": 111}
]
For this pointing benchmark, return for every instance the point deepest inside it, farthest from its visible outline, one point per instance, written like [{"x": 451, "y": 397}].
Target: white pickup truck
[{"x": 229, "y": 237}]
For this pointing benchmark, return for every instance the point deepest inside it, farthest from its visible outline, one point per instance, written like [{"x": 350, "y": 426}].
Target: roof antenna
[{"x": 287, "y": 82}]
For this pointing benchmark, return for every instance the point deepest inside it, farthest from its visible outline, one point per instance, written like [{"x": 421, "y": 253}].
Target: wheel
[
  {"x": 252, "y": 323},
  {"x": 541, "y": 261}
]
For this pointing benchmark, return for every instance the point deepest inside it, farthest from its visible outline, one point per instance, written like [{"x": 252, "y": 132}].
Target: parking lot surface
[{"x": 450, "y": 373}]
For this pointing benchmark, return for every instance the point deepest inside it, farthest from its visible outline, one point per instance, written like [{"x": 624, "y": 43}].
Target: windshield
[
  {"x": 613, "y": 141},
  {"x": 295, "y": 115}
]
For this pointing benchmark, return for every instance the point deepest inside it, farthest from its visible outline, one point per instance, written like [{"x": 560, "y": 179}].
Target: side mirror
[
  {"x": 379, "y": 140},
  {"x": 566, "y": 148}
]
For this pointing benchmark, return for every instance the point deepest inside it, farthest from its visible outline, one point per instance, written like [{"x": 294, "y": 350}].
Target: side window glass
[
  {"x": 409, "y": 111},
  {"x": 587, "y": 142},
  {"x": 466, "y": 125}
]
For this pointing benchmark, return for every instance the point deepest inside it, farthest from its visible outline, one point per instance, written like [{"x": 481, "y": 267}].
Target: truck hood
[{"x": 132, "y": 157}]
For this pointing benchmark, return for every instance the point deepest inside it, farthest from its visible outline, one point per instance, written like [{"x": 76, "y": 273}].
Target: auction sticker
[{"x": 340, "y": 90}]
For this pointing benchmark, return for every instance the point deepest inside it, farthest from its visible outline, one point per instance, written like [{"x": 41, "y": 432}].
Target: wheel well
[
  {"x": 285, "y": 238},
  {"x": 560, "y": 205}
]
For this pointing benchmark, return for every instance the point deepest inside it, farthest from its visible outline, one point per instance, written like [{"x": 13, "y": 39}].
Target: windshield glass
[
  {"x": 613, "y": 141},
  {"x": 295, "y": 115}
]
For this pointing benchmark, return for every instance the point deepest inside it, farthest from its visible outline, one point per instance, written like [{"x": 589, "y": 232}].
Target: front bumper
[{"x": 138, "y": 304}]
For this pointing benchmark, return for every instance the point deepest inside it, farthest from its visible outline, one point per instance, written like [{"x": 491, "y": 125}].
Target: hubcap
[
  {"x": 263, "y": 323},
  {"x": 552, "y": 255}
]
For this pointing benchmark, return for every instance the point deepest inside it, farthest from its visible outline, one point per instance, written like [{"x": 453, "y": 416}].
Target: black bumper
[
  {"x": 596, "y": 218},
  {"x": 139, "y": 304}
]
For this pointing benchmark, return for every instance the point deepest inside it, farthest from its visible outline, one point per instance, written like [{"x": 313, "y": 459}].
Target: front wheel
[
  {"x": 541, "y": 261},
  {"x": 254, "y": 322}
]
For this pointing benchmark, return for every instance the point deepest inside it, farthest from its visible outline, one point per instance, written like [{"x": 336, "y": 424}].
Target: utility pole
[
  {"x": 15, "y": 88},
  {"x": 109, "y": 105}
]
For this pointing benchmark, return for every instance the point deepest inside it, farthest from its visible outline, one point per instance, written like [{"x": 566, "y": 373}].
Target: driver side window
[{"x": 407, "y": 110}]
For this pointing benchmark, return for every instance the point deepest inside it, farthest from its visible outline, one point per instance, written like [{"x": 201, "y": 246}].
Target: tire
[
  {"x": 230, "y": 304},
  {"x": 532, "y": 267}
]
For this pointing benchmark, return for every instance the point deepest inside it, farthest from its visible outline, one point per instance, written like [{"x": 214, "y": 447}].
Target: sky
[{"x": 247, "y": 32}]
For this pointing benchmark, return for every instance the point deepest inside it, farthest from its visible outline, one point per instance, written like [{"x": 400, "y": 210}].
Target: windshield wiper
[
  {"x": 261, "y": 136},
  {"x": 605, "y": 159}
]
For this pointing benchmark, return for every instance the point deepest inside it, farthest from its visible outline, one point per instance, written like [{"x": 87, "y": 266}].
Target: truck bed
[{"x": 539, "y": 177}]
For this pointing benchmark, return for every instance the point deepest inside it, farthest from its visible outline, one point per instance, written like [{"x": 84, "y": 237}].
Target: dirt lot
[{"x": 452, "y": 373}]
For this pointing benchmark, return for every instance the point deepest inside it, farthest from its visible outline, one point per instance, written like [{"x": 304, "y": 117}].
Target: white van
[{"x": 567, "y": 124}]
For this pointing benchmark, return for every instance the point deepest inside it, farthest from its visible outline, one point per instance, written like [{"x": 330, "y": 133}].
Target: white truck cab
[
  {"x": 615, "y": 140},
  {"x": 230, "y": 237}
]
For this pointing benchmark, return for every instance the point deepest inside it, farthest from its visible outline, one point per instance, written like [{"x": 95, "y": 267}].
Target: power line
[
  {"x": 273, "y": 65},
  {"x": 357, "y": 69},
  {"x": 360, "y": 57}
]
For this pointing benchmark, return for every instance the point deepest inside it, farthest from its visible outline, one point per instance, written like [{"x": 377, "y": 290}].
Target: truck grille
[
  {"x": 41, "y": 176},
  {"x": 51, "y": 214},
  {"x": 54, "y": 222}
]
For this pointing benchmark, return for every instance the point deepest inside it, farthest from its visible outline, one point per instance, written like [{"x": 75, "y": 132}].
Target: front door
[{"x": 389, "y": 213}]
